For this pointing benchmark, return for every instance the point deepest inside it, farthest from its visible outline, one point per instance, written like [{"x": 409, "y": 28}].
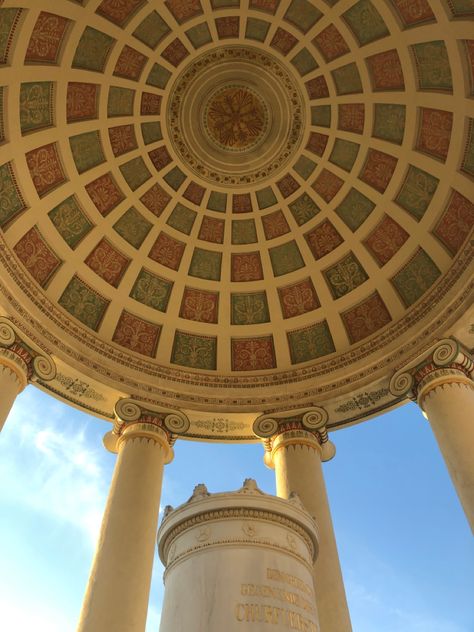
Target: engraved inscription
[{"x": 294, "y": 594}]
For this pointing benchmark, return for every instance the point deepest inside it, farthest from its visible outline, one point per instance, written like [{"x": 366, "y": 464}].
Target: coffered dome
[{"x": 235, "y": 205}]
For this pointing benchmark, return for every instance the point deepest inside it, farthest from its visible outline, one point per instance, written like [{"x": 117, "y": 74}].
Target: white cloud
[
  {"x": 29, "y": 615},
  {"x": 47, "y": 465},
  {"x": 51, "y": 465}
]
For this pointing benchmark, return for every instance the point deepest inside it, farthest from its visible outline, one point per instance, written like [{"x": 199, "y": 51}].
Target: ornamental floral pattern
[
  {"x": 11, "y": 200},
  {"x": 152, "y": 290},
  {"x": 417, "y": 192},
  {"x": 249, "y": 309},
  {"x": 386, "y": 71},
  {"x": 167, "y": 251},
  {"x": 456, "y": 222},
  {"x": 70, "y": 221},
  {"x": 156, "y": 199},
  {"x": 253, "y": 354},
  {"x": 36, "y": 106},
  {"x": 45, "y": 168},
  {"x": 105, "y": 193},
  {"x": 137, "y": 334},
  {"x": 82, "y": 101},
  {"x": 344, "y": 276},
  {"x": 197, "y": 352},
  {"x": 118, "y": 11},
  {"x": 331, "y": 43},
  {"x": 212, "y": 230},
  {"x": 303, "y": 209},
  {"x": 130, "y": 64},
  {"x": 246, "y": 267},
  {"x": 416, "y": 277},
  {"x": 46, "y": 39},
  {"x": 378, "y": 169},
  {"x": 351, "y": 117},
  {"x": 298, "y": 298},
  {"x": 84, "y": 303},
  {"x": 323, "y": 239},
  {"x": 199, "y": 305},
  {"x": 236, "y": 118},
  {"x": 37, "y": 257},
  {"x": 310, "y": 343},
  {"x": 434, "y": 133},
  {"x": 275, "y": 225},
  {"x": 107, "y": 262},
  {"x": 366, "y": 318},
  {"x": 386, "y": 240},
  {"x": 184, "y": 9}
]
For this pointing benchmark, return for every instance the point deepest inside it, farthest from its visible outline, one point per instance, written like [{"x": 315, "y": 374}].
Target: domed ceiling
[{"x": 235, "y": 204}]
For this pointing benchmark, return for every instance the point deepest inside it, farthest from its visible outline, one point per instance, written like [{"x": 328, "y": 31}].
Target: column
[
  {"x": 295, "y": 448},
  {"x": 441, "y": 382},
  {"x": 19, "y": 363},
  {"x": 119, "y": 584}
]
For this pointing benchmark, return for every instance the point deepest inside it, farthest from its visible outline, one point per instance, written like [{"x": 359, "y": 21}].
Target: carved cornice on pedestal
[
  {"x": 299, "y": 427},
  {"x": 446, "y": 362},
  {"x": 133, "y": 419},
  {"x": 249, "y": 507},
  {"x": 21, "y": 357}
]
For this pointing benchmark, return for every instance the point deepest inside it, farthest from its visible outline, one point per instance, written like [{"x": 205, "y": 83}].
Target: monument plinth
[{"x": 238, "y": 561}]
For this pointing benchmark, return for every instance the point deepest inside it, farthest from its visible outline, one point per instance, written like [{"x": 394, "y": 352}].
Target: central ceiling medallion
[{"x": 235, "y": 116}]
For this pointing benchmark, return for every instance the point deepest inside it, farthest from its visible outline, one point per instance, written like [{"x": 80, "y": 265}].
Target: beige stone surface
[
  {"x": 119, "y": 584},
  {"x": 238, "y": 562},
  {"x": 297, "y": 462},
  {"x": 313, "y": 182},
  {"x": 441, "y": 380},
  {"x": 10, "y": 386},
  {"x": 449, "y": 407}
]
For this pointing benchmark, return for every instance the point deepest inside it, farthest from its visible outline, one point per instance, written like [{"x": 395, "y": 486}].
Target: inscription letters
[
  {"x": 275, "y": 615},
  {"x": 256, "y": 613}
]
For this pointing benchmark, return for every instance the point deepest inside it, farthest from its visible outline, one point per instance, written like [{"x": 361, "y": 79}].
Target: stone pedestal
[{"x": 237, "y": 562}]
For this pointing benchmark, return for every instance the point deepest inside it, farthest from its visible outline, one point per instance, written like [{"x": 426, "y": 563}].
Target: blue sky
[{"x": 406, "y": 551}]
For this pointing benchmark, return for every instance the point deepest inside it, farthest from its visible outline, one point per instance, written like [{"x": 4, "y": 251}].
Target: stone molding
[
  {"x": 86, "y": 347},
  {"x": 445, "y": 363},
  {"x": 297, "y": 427},
  {"x": 247, "y": 503},
  {"x": 20, "y": 357},
  {"x": 244, "y": 514},
  {"x": 133, "y": 420}
]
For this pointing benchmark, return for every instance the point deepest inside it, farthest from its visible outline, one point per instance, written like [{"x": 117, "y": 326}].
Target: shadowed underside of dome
[{"x": 224, "y": 203}]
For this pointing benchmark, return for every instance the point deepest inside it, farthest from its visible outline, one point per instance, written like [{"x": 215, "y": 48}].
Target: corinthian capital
[
  {"x": 447, "y": 361},
  {"x": 23, "y": 358},
  {"x": 139, "y": 419},
  {"x": 296, "y": 427}
]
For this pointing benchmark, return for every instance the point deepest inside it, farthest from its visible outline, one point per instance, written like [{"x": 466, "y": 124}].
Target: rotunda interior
[{"x": 236, "y": 219}]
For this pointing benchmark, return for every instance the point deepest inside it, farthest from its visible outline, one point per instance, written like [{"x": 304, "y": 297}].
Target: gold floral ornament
[{"x": 236, "y": 118}]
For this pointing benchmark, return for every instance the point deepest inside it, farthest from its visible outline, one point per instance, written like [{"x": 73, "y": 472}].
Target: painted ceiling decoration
[{"x": 209, "y": 201}]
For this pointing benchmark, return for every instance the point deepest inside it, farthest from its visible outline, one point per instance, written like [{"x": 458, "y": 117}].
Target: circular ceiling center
[
  {"x": 236, "y": 118},
  {"x": 235, "y": 132}
]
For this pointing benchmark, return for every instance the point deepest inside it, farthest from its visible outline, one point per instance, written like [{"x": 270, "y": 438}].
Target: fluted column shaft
[
  {"x": 441, "y": 382},
  {"x": 298, "y": 468},
  {"x": 447, "y": 398},
  {"x": 119, "y": 584}
]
